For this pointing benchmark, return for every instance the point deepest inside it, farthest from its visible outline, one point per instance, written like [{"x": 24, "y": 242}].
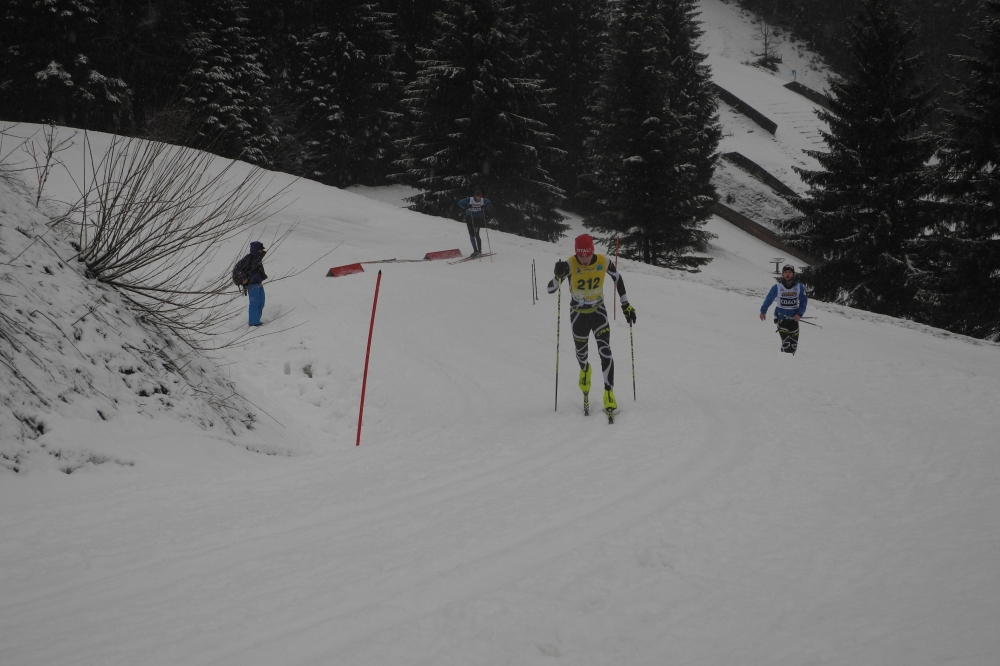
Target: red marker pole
[{"x": 364, "y": 381}]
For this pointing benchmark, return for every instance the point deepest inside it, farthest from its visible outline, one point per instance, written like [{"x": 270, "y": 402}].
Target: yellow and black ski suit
[{"x": 588, "y": 313}]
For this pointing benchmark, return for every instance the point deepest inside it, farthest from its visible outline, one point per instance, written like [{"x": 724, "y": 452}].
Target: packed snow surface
[{"x": 747, "y": 507}]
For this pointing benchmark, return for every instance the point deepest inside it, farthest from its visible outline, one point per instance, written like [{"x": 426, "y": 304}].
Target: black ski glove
[
  {"x": 629, "y": 313},
  {"x": 562, "y": 270}
]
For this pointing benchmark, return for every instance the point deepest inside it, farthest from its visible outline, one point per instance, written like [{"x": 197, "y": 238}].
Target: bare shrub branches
[
  {"x": 152, "y": 219},
  {"x": 43, "y": 156},
  {"x": 44, "y": 161}
]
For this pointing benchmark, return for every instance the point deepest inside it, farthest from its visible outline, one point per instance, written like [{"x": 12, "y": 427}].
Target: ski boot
[
  {"x": 610, "y": 404},
  {"x": 585, "y": 380}
]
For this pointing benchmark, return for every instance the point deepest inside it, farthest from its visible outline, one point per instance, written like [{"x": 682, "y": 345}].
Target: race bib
[{"x": 788, "y": 299}]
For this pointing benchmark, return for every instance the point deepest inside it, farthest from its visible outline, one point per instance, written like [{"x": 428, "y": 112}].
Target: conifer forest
[{"x": 602, "y": 107}]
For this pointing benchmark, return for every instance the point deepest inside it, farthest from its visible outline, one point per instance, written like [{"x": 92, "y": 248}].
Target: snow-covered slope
[
  {"x": 730, "y": 40},
  {"x": 75, "y": 359},
  {"x": 838, "y": 507}
]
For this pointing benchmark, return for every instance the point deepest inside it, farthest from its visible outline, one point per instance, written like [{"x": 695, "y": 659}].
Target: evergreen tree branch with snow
[
  {"x": 342, "y": 79},
  {"x": 868, "y": 201},
  {"x": 654, "y": 133},
  {"x": 569, "y": 35},
  {"x": 225, "y": 89},
  {"x": 960, "y": 282},
  {"x": 475, "y": 109},
  {"x": 48, "y": 66}
]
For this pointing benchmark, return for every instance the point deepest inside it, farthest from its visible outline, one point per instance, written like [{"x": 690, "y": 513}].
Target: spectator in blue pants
[{"x": 252, "y": 266}]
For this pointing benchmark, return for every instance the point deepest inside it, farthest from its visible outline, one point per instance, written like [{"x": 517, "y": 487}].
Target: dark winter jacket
[
  {"x": 474, "y": 208},
  {"x": 256, "y": 270}
]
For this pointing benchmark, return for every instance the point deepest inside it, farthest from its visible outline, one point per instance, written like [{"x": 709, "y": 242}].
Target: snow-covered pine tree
[
  {"x": 414, "y": 26},
  {"x": 654, "y": 134},
  {"x": 347, "y": 92},
  {"x": 225, "y": 90},
  {"x": 475, "y": 110},
  {"x": 961, "y": 257},
  {"x": 568, "y": 35},
  {"x": 145, "y": 44},
  {"x": 48, "y": 68},
  {"x": 867, "y": 204},
  {"x": 692, "y": 100}
]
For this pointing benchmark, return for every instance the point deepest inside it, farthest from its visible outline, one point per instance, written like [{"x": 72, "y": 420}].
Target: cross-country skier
[
  {"x": 586, "y": 271},
  {"x": 475, "y": 218},
  {"x": 792, "y": 300}
]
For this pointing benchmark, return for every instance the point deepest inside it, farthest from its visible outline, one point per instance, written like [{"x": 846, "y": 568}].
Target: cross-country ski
[{"x": 471, "y": 257}]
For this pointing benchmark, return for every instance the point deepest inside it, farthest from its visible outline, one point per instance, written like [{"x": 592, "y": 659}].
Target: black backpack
[{"x": 241, "y": 271}]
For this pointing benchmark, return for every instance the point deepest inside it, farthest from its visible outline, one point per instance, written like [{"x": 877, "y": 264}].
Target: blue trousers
[{"x": 255, "y": 292}]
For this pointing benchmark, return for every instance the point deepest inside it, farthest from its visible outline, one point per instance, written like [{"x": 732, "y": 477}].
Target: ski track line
[
  {"x": 463, "y": 577},
  {"x": 401, "y": 509},
  {"x": 358, "y": 519},
  {"x": 454, "y": 581},
  {"x": 402, "y": 504}
]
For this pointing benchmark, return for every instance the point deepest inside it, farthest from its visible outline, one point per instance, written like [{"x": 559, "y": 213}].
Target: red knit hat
[{"x": 584, "y": 246}]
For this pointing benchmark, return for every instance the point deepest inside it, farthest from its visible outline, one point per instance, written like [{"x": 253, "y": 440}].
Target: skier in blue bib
[
  {"x": 475, "y": 218},
  {"x": 792, "y": 299}
]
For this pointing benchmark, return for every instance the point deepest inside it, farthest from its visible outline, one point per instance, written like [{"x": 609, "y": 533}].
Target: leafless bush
[
  {"x": 40, "y": 156},
  {"x": 767, "y": 34},
  {"x": 768, "y": 56},
  {"x": 152, "y": 218},
  {"x": 9, "y": 168},
  {"x": 44, "y": 155}
]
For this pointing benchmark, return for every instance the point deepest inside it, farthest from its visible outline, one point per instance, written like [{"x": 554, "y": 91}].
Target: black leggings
[
  {"x": 788, "y": 329},
  {"x": 583, "y": 324},
  {"x": 471, "y": 223}
]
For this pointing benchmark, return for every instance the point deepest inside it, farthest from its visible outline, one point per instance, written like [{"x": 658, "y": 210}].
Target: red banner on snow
[
  {"x": 443, "y": 254},
  {"x": 349, "y": 269}
]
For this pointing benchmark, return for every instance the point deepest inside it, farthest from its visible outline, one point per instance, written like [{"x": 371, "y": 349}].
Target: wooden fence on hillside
[
  {"x": 744, "y": 108},
  {"x": 810, "y": 94},
  {"x": 760, "y": 232},
  {"x": 759, "y": 172}
]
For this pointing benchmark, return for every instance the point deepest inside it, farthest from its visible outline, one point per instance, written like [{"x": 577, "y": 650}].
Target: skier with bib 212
[
  {"x": 474, "y": 208},
  {"x": 586, "y": 271},
  {"x": 792, "y": 299}
]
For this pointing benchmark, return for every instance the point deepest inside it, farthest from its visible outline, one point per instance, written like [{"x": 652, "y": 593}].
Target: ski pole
[
  {"x": 810, "y": 323},
  {"x": 614, "y": 291},
  {"x": 488, "y": 246},
  {"x": 534, "y": 275},
  {"x": 631, "y": 340},
  {"x": 558, "y": 324}
]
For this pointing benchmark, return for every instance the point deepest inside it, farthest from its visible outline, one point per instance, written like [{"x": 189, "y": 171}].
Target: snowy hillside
[
  {"x": 730, "y": 41},
  {"x": 835, "y": 507}
]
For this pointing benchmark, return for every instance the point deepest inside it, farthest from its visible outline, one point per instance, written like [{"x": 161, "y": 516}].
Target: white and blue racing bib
[{"x": 788, "y": 297}]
